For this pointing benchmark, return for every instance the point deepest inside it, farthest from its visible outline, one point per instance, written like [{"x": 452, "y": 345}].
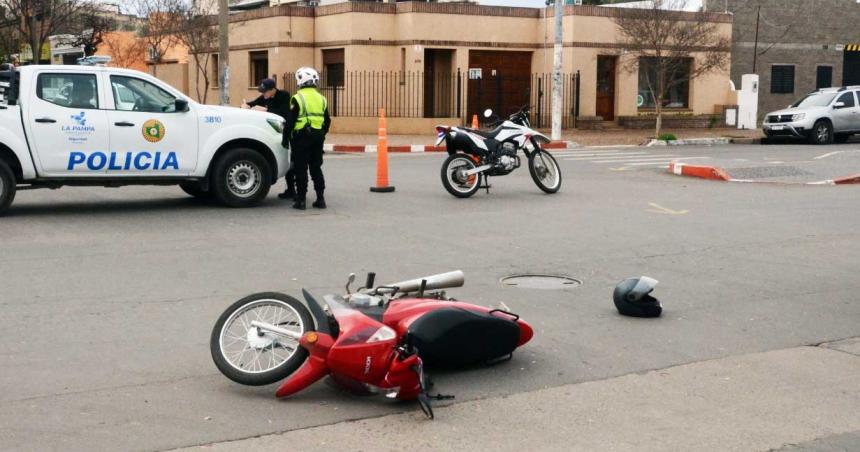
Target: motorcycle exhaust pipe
[{"x": 434, "y": 282}]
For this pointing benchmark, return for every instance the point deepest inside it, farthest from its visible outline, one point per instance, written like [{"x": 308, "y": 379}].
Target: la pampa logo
[{"x": 80, "y": 124}]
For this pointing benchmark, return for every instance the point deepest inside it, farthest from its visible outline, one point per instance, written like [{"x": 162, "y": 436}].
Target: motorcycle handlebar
[{"x": 440, "y": 281}]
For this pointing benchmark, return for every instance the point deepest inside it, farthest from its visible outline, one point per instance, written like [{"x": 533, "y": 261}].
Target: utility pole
[
  {"x": 556, "y": 72},
  {"x": 755, "y": 46},
  {"x": 224, "y": 51}
]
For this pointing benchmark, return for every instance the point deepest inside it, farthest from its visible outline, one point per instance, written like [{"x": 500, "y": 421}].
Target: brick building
[{"x": 802, "y": 45}]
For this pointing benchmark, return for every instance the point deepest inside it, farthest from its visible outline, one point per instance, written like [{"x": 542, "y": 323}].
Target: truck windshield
[{"x": 815, "y": 100}]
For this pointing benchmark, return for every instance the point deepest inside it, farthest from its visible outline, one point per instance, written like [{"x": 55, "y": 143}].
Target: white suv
[{"x": 822, "y": 117}]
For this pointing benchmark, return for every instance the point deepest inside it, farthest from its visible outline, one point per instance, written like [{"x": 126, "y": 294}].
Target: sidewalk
[
  {"x": 756, "y": 402},
  {"x": 611, "y": 137}
]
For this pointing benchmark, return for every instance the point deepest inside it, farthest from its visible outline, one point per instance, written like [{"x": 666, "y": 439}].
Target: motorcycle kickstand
[{"x": 486, "y": 184}]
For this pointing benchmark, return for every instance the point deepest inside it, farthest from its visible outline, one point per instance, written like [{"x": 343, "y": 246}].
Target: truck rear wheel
[
  {"x": 7, "y": 187},
  {"x": 241, "y": 178}
]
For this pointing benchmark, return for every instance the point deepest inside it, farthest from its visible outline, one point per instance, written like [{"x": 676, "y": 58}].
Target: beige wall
[{"x": 373, "y": 34}]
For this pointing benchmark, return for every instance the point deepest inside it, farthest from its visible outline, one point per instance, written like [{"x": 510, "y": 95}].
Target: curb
[
  {"x": 419, "y": 148},
  {"x": 719, "y": 174},
  {"x": 745, "y": 140},
  {"x": 704, "y": 172}
]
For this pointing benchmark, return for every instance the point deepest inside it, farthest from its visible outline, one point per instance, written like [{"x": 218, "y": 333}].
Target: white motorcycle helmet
[{"x": 307, "y": 76}]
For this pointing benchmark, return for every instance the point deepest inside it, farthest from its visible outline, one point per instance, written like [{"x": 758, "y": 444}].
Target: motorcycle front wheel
[
  {"x": 453, "y": 178},
  {"x": 545, "y": 171},
  {"x": 251, "y": 356}
]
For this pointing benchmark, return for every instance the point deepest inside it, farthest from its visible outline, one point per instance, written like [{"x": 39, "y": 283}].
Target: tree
[
  {"x": 10, "y": 41},
  {"x": 89, "y": 26},
  {"x": 198, "y": 34},
  {"x": 126, "y": 50},
  {"x": 160, "y": 30},
  {"x": 36, "y": 20},
  {"x": 677, "y": 47}
]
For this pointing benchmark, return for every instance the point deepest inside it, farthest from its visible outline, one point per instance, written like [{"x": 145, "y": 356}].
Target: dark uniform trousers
[{"x": 307, "y": 155}]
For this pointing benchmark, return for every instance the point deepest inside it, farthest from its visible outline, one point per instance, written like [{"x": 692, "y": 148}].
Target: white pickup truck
[{"x": 101, "y": 126}]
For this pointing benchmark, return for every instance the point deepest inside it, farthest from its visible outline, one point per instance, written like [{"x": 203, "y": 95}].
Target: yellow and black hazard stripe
[{"x": 852, "y": 47}]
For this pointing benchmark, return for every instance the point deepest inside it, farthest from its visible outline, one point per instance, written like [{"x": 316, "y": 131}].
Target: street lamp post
[
  {"x": 556, "y": 70},
  {"x": 224, "y": 52}
]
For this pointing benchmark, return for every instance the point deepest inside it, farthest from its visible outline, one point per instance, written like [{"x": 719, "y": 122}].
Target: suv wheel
[
  {"x": 822, "y": 133},
  {"x": 241, "y": 178},
  {"x": 7, "y": 186}
]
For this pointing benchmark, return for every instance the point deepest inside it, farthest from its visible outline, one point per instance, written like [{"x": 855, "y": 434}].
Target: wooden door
[
  {"x": 503, "y": 84},
  {"x": 606, "y": 87}
]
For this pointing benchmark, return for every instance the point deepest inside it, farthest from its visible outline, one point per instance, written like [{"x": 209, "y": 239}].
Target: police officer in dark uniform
[
  {"x": 275, "y": 101},
  {"x": 307, "y": 124}
]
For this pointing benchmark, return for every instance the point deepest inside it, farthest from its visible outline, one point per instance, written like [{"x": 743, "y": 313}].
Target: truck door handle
[
  {"x": 46, "y": 120},
  {"x": 123, "y": 124}
]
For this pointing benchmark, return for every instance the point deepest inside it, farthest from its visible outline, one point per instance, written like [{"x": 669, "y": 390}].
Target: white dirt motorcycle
[{"x": 475, "y": 155}]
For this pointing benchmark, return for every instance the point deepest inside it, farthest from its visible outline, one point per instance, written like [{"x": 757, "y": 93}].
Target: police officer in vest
[{"x": 307, "y": 125}]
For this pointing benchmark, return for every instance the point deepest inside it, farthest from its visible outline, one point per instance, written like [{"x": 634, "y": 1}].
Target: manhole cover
[{"x": 546, "y": 282}]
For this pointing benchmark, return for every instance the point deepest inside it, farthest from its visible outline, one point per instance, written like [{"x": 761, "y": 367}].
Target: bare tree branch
[{"x": 680, "y": 46}]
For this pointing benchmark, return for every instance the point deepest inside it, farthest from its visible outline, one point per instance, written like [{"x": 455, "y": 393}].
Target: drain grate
[{"x": 544, "y": 282}]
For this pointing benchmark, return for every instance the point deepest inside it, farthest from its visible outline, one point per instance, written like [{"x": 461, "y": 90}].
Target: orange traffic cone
[
  {"x": 475, "y": 122},
  {"x": 382, "y": 158}
]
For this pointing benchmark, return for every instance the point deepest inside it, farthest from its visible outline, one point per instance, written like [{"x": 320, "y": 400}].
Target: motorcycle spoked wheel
[
  {"x": 545, "y": 171},
  {"x": 250, "y": 356},
  {"x": 453, "y": 179}
]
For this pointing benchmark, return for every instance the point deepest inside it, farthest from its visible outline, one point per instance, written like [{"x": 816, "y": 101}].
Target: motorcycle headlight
[
  {"x": 383, "y": 334},
  {"x": 276, "y": 124},
  {"x": 798, "y": 116}
]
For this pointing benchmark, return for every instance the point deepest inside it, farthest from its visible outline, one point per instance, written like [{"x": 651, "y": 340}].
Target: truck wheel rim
[
  {"x": 249, "y": 350},
  {"x": 243, "y": 179}
]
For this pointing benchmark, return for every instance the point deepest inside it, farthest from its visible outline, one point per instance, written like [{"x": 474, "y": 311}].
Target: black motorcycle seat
[
  {"x": 486, "y": 134},
  {"x": 456, "y": 337}
]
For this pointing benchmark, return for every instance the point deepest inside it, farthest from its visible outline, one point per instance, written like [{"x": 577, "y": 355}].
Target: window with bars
[
  {"x": 824, "y": 77},
  {"x": 782, "y": 79}
]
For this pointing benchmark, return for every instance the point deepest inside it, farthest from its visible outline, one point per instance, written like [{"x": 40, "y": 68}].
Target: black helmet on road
[{"x": 632, "y": 297}]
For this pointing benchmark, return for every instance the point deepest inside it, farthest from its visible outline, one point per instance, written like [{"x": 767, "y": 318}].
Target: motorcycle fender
[
  {"x": 313, "y": 369},
  {"x": 540, "y": 138}
]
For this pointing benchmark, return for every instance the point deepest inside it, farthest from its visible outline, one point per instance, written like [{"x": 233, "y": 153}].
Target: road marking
[
  {"x": 643, "y": 158},
  {"x": 613, "y": 146},
  {"x": 623, "y": 168},
  {"x": 657, "y": 208},
  {"x": 607, "y": 154},
  {"x": 824, "y": 156}
]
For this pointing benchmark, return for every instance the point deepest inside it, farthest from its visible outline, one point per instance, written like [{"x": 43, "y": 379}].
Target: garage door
[{"x": 499, "y": 80}]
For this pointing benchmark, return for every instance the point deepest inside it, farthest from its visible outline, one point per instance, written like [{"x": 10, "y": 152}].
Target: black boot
[
  {"x": 288, "y": 194},
  {"x": 300, "y": 203},
  {"x": 320, "y": 202}
]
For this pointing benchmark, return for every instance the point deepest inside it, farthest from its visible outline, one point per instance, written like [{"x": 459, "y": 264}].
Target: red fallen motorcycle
[{"x": 376, "y": 339}]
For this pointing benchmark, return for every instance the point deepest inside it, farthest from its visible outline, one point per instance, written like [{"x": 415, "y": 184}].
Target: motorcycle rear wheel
[
  {"x": 456, "y": 183},
  {"x": 250, "y": 356},
  {"x": 545, "y": 171}
]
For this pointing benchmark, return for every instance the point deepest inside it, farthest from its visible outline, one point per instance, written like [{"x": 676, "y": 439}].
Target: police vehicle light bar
[{"x": 95, "y": 60}]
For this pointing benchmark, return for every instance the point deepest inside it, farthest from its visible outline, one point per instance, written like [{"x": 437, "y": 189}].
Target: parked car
[
  {"x": 821, "y": 117},
  {"x": 101, "y": 126}
]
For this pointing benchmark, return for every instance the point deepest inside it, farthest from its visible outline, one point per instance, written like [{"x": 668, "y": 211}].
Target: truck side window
[
  {"x": 134, "y": 94},
  {"x": 847, "y": 98},
  {"x": 68, "y": 90}
]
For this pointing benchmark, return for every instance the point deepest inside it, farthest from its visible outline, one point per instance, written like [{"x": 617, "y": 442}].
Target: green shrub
[{"x": 667, "y": 137}]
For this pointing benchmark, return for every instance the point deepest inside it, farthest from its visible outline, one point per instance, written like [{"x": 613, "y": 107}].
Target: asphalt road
[{"x": 108, "y": 296}]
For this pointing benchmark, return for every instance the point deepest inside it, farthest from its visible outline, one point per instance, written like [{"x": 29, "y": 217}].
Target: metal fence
[{"x": 443, "y": 95}]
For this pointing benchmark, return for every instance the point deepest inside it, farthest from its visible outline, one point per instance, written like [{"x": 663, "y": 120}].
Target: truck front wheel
[
  {"x": 7, "y": 187},
  {"x": 241, "y": 178}
]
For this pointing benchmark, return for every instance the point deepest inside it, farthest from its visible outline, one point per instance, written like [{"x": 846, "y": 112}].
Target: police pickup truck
[{"x": 102, "y": 126}]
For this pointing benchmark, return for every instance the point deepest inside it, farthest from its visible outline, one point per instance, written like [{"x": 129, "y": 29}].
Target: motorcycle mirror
[
  {"x": 488, "y": 112},
  {"x": 349, "y": 281},
  {"x": 371, "y": 278}
]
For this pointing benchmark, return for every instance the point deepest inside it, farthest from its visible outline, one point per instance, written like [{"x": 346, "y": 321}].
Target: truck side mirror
[{"x": 181, "y": 105}]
